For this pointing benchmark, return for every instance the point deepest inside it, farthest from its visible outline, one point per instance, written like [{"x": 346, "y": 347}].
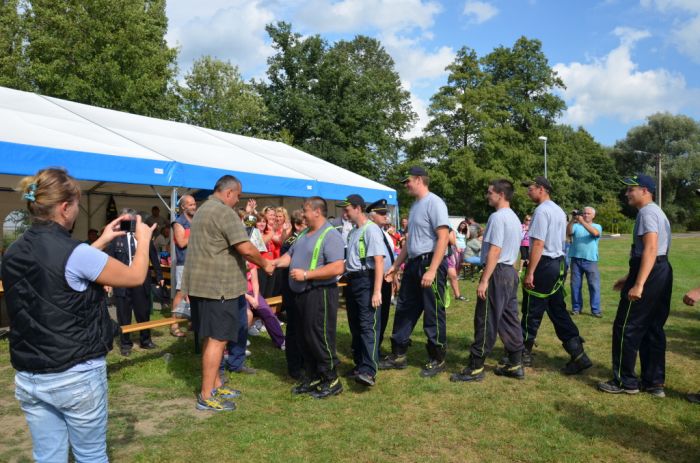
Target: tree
[
  {"x": 103, "y": 53},
  {"x": 343, "y": 103},
  {"x": 215, "y": 96},
  {"x": 11, "y": 62},
  {"x": 485, "y": 123},
  {"x": 293, "y": 75},
  {"x": 677, "y": 139}
]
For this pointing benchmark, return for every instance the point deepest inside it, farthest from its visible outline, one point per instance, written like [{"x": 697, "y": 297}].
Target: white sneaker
[
  {"x": 247, "y": 343},
  {"x": 248, "y": 353}
]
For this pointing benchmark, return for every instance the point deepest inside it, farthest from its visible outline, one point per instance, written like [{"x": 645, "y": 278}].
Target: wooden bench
[{"x": 152, "y": 324}]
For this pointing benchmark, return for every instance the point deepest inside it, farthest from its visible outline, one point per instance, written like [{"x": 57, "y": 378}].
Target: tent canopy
[{"x": 107, "y": 149}]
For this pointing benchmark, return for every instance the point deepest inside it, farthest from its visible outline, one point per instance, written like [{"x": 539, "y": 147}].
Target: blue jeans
[
  {"x": 65, "y": 407},
  {"x": 236, "y": 350},
  {"x": 580, "y": 267}
]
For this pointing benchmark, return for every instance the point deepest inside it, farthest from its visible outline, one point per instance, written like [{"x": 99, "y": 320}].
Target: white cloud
[
  {"x": 359, "y": 15},
  {"x": 479, "y": 12},
  {"x": 228, "y": 30},
  {"x": 414, "y": 63},
  {"x": 686, "y": 32},
  {"x": 614, "y": 86}
]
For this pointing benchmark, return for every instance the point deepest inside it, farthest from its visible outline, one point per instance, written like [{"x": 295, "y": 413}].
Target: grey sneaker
[
  {"x": 365, "y": 379},
  {"x": 693, "y": 398},
  {"x": 611, "y": 387},
  {"x": 214, "y": 404},
  {"x": 655, "y": 391}
]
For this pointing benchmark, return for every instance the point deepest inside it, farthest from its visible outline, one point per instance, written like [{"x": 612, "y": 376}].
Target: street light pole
[
  {"x": 544, "y": 139},
  {"x": 657, "y": 171}
]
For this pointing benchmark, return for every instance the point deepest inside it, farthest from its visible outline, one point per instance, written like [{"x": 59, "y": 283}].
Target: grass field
[{"x": 547, "y": 417}]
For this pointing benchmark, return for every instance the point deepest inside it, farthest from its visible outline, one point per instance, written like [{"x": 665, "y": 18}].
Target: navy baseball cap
[
  {"x": 640, "y": 180},
  {"x": 354, "y": 201},
  {"x": 415, "y": 171},
  {"x": 539, "y": 181}
]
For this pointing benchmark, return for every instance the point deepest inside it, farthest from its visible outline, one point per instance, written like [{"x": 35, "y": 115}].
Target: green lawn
[{"x": 547, "y": 417}]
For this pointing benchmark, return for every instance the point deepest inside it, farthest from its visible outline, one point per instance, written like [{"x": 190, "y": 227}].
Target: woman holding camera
[{"x": 60, "y": 328}]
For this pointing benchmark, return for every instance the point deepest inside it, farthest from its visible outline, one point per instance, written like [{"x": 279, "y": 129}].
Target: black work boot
[
  {"x": 436, "y": 364},
  {"x": 579, "y": 360},
  {"x": 513, "y": 367},
  {"x": 474, "y": 371},
  {"x": 527, "y": 353},
  {"x": 397, "y": 360},
  {"x": 327, "y": 388}
]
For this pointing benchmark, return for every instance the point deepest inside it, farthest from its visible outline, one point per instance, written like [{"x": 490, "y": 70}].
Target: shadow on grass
[{"x": 632, "y": 433}]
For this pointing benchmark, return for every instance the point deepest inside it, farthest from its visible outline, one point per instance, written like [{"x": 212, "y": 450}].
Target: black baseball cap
[
  {"x": 377, "y": 206},
  {"x": 354, "y": 201},
  {"x": 415, "y": 171},
  {"x": 539, "y": 181},
  {"x": 642, "y": 180}
]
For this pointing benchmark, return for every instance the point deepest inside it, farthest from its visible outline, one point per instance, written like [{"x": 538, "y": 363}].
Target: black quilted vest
[{"x": 52, "y": 326}]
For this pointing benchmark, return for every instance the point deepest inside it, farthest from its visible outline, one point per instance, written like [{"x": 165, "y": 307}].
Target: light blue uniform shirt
[
  {"x": 425, "y": 216},
  {"x": 651, "y": 219},
  {"x": 549, "y": 225},
  {"x": 503, "y": 230},
  {"x": 374, "y": 246}
]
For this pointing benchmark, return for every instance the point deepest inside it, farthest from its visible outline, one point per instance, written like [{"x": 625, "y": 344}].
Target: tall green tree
[
  {"x": 101, "y": 52},
  {"x": 343, "y": 102},
  {"x": 215, "y": 96},
  {"x": 11, "y": 59},
  {"x": 291, "y": 93},
  {"x": 677, "y": 139}
]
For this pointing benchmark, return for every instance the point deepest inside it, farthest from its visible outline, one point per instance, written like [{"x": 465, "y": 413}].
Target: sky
[{"x": 621, "y": 61}]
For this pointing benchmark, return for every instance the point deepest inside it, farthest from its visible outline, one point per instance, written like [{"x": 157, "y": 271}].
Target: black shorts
[{"x": 216, "y": 318}]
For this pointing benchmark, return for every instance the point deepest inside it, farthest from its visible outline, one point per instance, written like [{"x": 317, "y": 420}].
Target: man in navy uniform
[
  {"x": 544, "y": 279},
  {"x": 379, "y": 214},
  {"x": 423, "y": 285},
  {"x": 364, "y": 269},
  {"x": 645, "y": 298}
]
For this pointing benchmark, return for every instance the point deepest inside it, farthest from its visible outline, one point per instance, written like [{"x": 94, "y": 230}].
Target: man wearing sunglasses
[{"x": 645, "y": 298}]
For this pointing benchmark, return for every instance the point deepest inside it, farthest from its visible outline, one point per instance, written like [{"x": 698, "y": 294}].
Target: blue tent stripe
[{"x": 22, "y": 159}]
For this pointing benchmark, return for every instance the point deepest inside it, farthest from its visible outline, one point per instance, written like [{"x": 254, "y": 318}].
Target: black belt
[
  {"x": 357, "y": 274},
  {"x": 422, "y": 257},
  {"x": 638, "y": 260}
]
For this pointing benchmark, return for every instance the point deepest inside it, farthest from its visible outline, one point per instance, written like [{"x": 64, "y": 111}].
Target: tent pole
[
  {"x": 165, "y": 203},
  {"x": 173, "y": 258}
]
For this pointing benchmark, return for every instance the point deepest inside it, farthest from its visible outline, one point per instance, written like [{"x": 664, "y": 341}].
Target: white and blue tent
[{"x": 139, "y": 159}]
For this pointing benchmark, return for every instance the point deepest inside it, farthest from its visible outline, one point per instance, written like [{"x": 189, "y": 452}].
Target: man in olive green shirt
[{"x": 215, "y": 281}]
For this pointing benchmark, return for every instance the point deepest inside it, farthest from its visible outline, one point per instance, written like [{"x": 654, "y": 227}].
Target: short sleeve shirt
[
  {"x": 425, "y": 217},
  {"x": 84, "y": 265},
  {"x": 651, "y": 219},
  {"x": 374, "y": 246},
  {"x": 549, "y": 225},
  {"x": 502, "y": 230},
  {"x": 301, "y": 252},
  {"x": 583, "y": 244},
  {"x": 214, "y": 269}
]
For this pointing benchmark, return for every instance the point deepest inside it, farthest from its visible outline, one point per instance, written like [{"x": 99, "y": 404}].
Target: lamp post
[
  {"x": 544, "y": 139},
  {"x": 657, "y": 168}
]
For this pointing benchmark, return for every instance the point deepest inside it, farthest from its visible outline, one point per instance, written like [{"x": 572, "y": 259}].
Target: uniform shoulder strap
[{"x": 317, "y": 247}]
